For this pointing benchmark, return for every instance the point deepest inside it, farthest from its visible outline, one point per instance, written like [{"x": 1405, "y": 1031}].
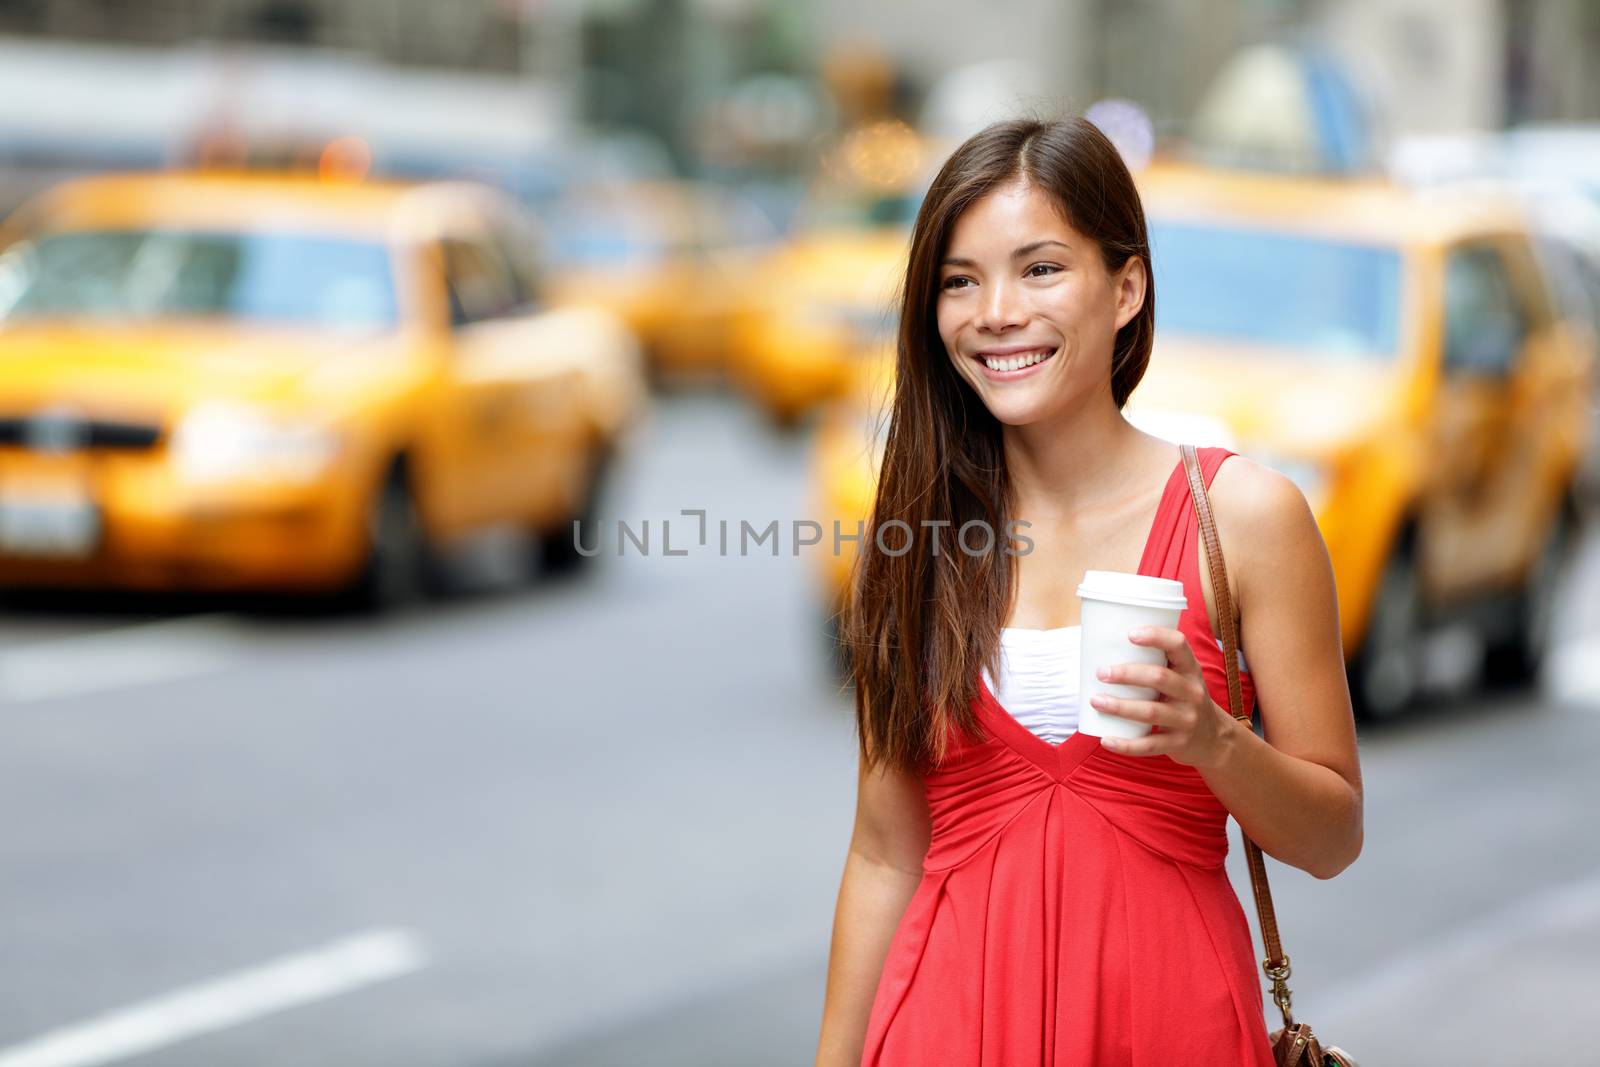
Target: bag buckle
[{"x": 1279, "y": 976}]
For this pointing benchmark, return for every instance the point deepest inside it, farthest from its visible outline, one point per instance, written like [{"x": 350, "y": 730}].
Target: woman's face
[{"x": 1026, "y": 308}]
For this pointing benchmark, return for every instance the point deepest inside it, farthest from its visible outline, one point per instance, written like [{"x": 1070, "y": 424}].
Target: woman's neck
[{"x": 1086, "y": 461}]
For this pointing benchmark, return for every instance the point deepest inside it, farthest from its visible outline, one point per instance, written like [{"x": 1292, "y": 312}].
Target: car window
[
  {"x": 156, "y": 274},
  {"x": 1571, "y": 279},
  {"x": 1535, "y": 303},
  {"x": 1307, "y": 296},
  {"x": 524, "y": 269},
  {"x": 1589, "y": 283},
  {"x": 1484, "y": 326},
  {"x": 517, "y": 244},
  {"x": 479, "y": 280}
]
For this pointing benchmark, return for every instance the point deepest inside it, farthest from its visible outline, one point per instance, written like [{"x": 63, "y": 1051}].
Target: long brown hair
[{"x": 920, "y": 622}]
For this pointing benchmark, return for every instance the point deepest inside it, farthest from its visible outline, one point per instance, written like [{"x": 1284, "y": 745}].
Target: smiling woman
[
  {"x": 1008, "y": 899},
  {"x": 1041, "y": 309}
]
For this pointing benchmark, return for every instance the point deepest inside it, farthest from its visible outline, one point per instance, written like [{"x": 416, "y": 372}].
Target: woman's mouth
[{"x": 1013, "y": 365}]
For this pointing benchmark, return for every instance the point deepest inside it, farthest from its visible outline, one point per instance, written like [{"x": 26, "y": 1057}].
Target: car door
[
  {"x": 1486, "y": 441},
  {"x": 518, "y": 397}
]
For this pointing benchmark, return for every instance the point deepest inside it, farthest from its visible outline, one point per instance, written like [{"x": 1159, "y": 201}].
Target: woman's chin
[{"x": 1020, "y": 410}]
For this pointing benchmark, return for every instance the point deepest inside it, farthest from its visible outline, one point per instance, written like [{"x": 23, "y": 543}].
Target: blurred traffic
[
  {"x": 255, "y": 381},
  {"x": 316, "y": 303}
]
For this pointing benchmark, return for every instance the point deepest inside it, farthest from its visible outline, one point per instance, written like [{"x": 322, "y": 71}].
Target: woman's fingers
[
  {"x": 1150, "y": 711},
  {"x": 1169, "y": 640},
  {"x": 1149, "y": 745},
  {"x": 1175, "y": 685}
]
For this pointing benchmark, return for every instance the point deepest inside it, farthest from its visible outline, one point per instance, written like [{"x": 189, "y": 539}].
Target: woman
[{"x": 1016, "y": 892}]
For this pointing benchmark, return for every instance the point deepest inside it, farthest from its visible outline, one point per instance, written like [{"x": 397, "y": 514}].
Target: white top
[{"x": 1038, "y": 681}]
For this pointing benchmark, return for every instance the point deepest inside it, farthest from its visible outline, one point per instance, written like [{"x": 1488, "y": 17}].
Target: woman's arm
[
  {"x": 1297, "y": 793},
  {"x": 881, "y": 872}
]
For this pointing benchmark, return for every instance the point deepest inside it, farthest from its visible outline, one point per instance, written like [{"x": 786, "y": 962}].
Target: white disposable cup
[{"x": 1111, "y": 603}]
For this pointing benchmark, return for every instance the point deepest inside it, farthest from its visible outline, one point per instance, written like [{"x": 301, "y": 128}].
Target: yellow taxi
[
  {"x": 827, "y": 297},
  {"x": 675, "y": 259},
  {"x": 286, "y": 383},
  {"x": 1399, "y": 356}
]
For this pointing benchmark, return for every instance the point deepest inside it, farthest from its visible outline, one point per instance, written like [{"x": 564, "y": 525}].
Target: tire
[
  {"x": 1515, "y": 658},
  {"x": 1386, "y": 675},
  {"x": 398, "y": 569},
  {"x": 555, "y": 551}
]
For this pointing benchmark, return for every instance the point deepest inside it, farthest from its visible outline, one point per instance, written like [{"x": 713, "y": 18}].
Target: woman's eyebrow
[{"x": 1027, "y": 249}]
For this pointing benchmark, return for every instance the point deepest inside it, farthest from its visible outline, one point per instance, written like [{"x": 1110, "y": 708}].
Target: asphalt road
[{"x": 601, "y": 820}]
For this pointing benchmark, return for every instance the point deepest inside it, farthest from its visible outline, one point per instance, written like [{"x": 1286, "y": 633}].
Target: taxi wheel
[
  {"x": 1516, "y": 657},
  {"x": 399, "y": 568},
  {"x": 555, "y": 551},
  {"x": 1387, "y": 673}
]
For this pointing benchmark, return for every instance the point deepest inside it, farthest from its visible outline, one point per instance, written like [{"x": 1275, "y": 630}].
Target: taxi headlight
[{"x": 231, "y": 440}]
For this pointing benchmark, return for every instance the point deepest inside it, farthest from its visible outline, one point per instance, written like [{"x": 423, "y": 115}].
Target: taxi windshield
[
  {"x": 1316, "y": 297},
  {"x": 155, "y": 274}
]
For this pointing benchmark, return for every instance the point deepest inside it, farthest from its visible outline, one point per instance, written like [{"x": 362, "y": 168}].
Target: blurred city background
[{"x": 322, "y": 322}]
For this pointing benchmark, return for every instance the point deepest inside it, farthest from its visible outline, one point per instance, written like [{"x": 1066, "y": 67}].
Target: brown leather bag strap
[{"x": 1276, "y": 964}]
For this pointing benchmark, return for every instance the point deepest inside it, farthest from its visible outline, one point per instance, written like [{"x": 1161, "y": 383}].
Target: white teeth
[{"x": 1016, "y": 363}]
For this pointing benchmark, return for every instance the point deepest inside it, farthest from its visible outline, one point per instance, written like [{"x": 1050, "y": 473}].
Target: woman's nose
[{"x": 1000, "y": 309}]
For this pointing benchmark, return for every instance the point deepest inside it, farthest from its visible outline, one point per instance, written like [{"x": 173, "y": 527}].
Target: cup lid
[{"x": 1141, "y": 589}]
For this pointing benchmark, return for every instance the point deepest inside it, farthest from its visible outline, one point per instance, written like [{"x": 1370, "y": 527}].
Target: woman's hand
[{"x": 1194, "y": 729}]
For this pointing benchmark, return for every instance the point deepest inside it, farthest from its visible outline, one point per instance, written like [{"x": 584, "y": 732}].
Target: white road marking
[
  {"x": 346, "y": 965},
  {"x": 1558, "y": 908},
  {"x": 1572, "y": 675},
  {"x": 114, "y": 659}
]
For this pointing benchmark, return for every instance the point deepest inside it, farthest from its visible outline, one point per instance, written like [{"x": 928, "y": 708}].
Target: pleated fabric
[{"x": 1074, "y": 907}]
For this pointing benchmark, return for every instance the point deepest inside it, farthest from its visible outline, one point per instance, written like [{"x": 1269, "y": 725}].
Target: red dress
[{"x": 1074, "y": 910}]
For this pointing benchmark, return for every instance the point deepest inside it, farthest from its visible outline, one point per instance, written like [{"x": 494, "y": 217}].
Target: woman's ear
[{"x": 1129, "y": 284}]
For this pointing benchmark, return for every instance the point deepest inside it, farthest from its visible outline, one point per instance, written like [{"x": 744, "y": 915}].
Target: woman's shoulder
[{"x": 1255, "y": 491}]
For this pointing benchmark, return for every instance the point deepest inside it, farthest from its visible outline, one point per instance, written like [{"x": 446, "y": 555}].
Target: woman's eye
[
  {"x": 950, "y": 283},
  {"x": 1048, "y": 268}
]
